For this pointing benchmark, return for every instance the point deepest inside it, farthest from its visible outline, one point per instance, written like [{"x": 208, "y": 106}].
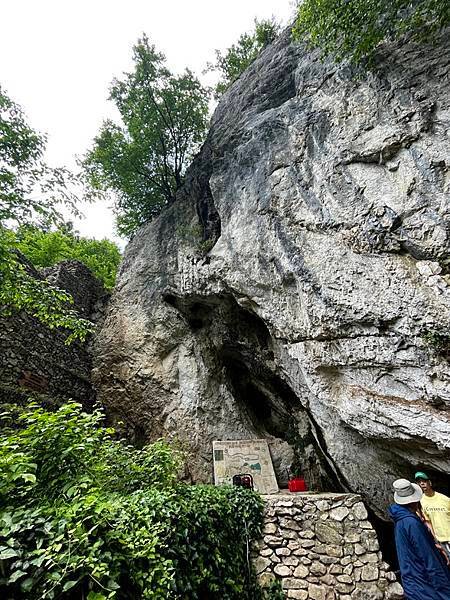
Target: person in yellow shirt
[{"x": 436, "y": 510}]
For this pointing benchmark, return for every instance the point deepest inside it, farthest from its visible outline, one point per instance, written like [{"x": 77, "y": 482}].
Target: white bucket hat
[{"x": 406, "y": 492}]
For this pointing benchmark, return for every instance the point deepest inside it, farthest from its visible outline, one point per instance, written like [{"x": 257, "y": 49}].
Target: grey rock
[
  {"x": 35, "y": 359},
  {"x": 339, "y": 514},
  {"x": 360, "y": 512},
  {"x": 270, "y": 528},
  {"x": 316, "y": 568},
  {"x": 345, "y": 588},
  {"x": 336, "y": 569},
  {"x": 344, "y": 579},
  {"x": 369, "y": 572},
  {"x": 319, "y": 195},
  {"x": 367, "y": 591},
  {"x": 261, "y": 564},
  {"x": 394, "y": 592},
  {"x": 282, "y": 570},
  {"x": 282, "y": 552},
  {"x": 291, "y": 583},
  {"x": 328, "y": 579},
  {"x": 273, "y": 541},
  {"x": 327, "y": 534},
  {"x": 298, "y": 594},
  {"x": 317, "y": 592},
  {"x": 370, "y": 557},
  {"x": 301, "y": 571}
]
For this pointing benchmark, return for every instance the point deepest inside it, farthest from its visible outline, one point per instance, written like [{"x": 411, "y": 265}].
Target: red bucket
[{"x": 298, "y": 484}]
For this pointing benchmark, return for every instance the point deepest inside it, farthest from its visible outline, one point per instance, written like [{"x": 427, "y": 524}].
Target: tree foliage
[
  {"x": 30, "y": 191},
  {"x": 29, "y": 188},
  {"x": 142, "y": 159},
  {"x": 354, "y": 28},
  {"x": 235, "y": 60},
  {"x": 44, "y": 248},
  {"x": 83, "y": 515}
]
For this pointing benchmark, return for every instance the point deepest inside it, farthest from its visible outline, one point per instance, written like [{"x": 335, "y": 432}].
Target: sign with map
[{"x": 236, "y": 457}]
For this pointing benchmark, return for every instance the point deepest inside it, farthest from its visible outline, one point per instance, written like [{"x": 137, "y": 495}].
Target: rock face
[
  {"x": 34, "y": 360},
  {"x": 322, "y": 547},
  {"x": 298, "y": 289}
]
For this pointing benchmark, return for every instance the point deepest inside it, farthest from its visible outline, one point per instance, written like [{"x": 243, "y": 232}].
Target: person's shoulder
[
  {"x": 411, "y": 522},
  {"x": 441, "y": 496}
]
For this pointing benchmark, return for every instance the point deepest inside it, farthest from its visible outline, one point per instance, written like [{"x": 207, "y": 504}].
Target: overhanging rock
[{"x": 298, "y": 289}]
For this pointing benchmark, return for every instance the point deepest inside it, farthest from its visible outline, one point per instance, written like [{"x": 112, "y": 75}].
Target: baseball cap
[{"x": 421, "y": 475}]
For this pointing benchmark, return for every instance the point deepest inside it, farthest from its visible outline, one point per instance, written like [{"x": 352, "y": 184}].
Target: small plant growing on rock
[{"x": 439, "y": 341}]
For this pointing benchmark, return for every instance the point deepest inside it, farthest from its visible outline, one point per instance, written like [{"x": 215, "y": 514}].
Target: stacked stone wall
[
  {"x": 323, "y": 547},
  {"x": 35, "y": 361}
]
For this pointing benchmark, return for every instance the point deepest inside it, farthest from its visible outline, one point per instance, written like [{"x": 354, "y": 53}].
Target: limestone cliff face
[{"x": 298, "y": 289}]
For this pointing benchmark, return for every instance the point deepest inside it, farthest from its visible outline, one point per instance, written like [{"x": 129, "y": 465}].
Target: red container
[{"x": 298, "y": 484}]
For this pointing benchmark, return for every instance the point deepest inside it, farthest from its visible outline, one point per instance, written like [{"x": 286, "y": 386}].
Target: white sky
[{"x": 58, "y": 57}]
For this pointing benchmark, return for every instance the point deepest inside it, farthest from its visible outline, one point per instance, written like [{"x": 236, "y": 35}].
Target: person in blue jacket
[{"x": 425, "y": 576}]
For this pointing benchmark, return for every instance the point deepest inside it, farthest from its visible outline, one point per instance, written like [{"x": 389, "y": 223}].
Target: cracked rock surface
[{"x": 298, "y": 289}]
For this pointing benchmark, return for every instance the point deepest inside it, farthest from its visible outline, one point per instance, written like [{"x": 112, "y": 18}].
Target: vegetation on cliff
[
  {"x": 45, "y": 248},
  {"x": 85, "y": 516},
  {"x": 142, "y": 160},
  {"x": 353, "y": 29},
  {"x": 231, "y": 63},
  {"x": 31, "y": 192}
]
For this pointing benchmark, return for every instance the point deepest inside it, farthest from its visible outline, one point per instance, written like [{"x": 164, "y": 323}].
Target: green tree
[
  {"x": 83, "y": 515},
  {"x": 142, "y": 159},
  {"x": 30, "y": 191},
  {"x": 46, "y": 248},
  {"x": 233, "y": 62},
  {"x": 354, "y": 28},
  {"x": 29, "y": 188}
]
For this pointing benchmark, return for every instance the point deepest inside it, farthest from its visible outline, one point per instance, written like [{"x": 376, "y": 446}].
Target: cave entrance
[
  {"x": 239, "y": 346},
  {"x": 262, "y": 403}
]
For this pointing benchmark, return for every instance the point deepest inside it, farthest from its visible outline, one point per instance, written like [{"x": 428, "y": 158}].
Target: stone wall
[
  {"x": 34, "y": 360},
  {"x": 322, "y": 547}
]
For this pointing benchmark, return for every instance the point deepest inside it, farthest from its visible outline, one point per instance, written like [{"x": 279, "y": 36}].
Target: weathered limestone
[
  {"x": 308, "y": 306},
  {"x": 324, "y": 559}
]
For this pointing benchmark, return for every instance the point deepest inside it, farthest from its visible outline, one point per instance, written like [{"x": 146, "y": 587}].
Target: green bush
[
  {"x": 353, "y": 29},
  {"x": 47, "y": 248},
  {"x": 231, "y": 63},
  {"x": 86, "y": 516}
]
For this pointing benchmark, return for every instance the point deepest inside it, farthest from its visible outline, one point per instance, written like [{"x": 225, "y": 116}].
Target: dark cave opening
[
  {"x": 385, "y": 534},
  {"x": 242, "y": 345},
  {"x": 439, "y": 480},
  {"x": 265, "y": 415}
]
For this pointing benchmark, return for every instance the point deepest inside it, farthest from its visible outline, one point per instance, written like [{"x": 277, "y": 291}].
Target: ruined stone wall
[
  {"x": 34, "y": 360},
  {"x": 322, "y": 547}
]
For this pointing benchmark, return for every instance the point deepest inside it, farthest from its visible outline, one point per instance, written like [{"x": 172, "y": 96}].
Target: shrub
[
  {"x": 86, "y": 516},
  {"x": 353, "y": 29},
  {"x": 45, "y": 248},
  {"x": 231, "y": 63}
]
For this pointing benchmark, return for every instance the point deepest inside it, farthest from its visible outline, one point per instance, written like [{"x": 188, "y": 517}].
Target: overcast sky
[{"x": 58, "y": 57}]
